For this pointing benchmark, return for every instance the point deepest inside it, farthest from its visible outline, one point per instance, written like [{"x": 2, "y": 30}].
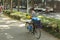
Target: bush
[
  {"x": 50, "y": 23},
  {"x": 15, "y": 14},
  {"x": 7, "y": 12}
]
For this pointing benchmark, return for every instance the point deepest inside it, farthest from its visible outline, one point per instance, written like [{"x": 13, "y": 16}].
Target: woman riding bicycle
[{"x": 34, "y": 24}]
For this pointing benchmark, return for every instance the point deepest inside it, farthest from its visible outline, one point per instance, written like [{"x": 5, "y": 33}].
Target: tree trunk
[
  {"x": 32, "y": 2},
  {"x": 3, "y": 4},
  {"x": 11, "y": 5},
  {"x": 18, "y": 5}
]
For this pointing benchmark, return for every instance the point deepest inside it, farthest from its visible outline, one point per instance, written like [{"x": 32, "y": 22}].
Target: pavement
[{"x": 15, "y": 30}]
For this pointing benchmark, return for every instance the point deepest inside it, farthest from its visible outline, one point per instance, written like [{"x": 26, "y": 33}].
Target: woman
[{"x": 1, "y": 8}]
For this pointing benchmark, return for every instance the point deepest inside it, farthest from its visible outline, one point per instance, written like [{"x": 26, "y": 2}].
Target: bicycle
[{"x": 35, "y": 31}]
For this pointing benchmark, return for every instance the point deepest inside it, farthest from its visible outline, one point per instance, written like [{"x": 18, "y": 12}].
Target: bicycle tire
[{"x": 39, "y": 34}]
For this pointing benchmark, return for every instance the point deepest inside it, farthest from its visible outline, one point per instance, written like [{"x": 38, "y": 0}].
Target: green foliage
[
  {"x": 7, "y": 12},
  {"x": 51, "y": 25}
]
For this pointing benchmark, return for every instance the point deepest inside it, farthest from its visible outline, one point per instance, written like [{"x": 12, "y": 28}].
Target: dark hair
[{"x": 32, "y": 8}]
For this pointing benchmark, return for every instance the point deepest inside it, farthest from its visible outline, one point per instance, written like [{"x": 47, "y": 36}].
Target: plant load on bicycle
[{"x": 36, "y": 22}]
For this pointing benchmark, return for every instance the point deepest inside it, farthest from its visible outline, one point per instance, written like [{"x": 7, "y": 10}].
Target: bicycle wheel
[
  {"x": 37, "y": 33},
  {"x": 29, "y": 27}
]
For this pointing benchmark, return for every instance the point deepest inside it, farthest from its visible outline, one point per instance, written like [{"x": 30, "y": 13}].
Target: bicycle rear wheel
[{"x": 37, "y": 33}]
